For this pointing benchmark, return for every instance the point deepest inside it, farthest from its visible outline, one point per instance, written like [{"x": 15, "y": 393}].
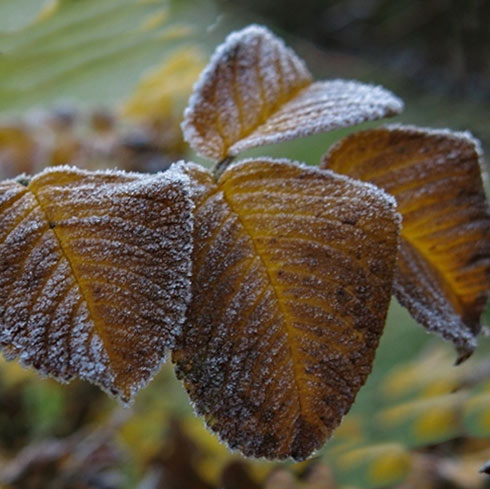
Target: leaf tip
[
  {"x": 23, "y": 180},
  {"x": 485, "y": 468}
]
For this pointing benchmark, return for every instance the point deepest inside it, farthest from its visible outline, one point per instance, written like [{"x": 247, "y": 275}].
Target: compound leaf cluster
[{"x": 269, "y": 281}]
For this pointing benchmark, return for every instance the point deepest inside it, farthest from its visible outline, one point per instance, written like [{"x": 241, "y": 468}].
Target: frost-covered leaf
[
  {"x": 443, "y": 272},
  {"x": 256, "y": 91},
  {"x": 292, "y": 275},
  {"x": 485, "y": 468},
  {"x": 94, "y": 273}
]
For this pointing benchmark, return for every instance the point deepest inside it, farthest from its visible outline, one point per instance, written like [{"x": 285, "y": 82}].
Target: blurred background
[{"x": 103, "y": 83}]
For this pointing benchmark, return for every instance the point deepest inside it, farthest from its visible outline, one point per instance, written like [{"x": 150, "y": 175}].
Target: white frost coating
[
  {"x": 256, "y": 91},
  {"x": 194, "y": 188},
  {"x": 120, "y": 246},
  {"x": 447, "y": 323},
  {"x": 435, "y": 314},
  {"x": 82, "y": 172},
  {"x": 247, "y": 77},
  {"x": 449, "y": 134},
  {"x": 448, "y": 218},
  {"x": 321, "y": 107},
  {"x": 258, "y": 257},
  {"x": 374, "y": 190}
]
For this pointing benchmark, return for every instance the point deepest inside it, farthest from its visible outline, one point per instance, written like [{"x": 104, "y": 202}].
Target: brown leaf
[
  {"x": 443, "y": 273},
  {"x": 236, "y": 475},
  {"x": 256, "y": 91},
  {"x": 176, "y": 466},
  {"x": 17, "y": 151},
  {"x": 94, "y": 273},
  {"x": 291, "y": 283}
]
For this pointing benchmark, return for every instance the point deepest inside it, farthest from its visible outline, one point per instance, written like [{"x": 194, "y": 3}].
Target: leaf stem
[{"x": 221, "y": 166}]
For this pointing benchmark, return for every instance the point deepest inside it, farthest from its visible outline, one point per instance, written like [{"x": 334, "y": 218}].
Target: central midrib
[
  {"x": 289, "y": 334},
  {"x": 65, "y": 254}
]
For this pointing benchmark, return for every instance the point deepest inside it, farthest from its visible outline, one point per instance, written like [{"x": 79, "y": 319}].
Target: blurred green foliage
[{"x": 88, "y": 52}]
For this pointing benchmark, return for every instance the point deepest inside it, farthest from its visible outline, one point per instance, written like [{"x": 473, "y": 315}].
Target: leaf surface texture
[
  {"x": 292, "y": 276},
  {"x": 443, "y": 272},
  {"x": 256, "y": 91},
  {"x": 94, "y": 273}
]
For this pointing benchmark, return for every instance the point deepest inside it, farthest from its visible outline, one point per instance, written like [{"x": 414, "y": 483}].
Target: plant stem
[{"x": 221, "y": 166}]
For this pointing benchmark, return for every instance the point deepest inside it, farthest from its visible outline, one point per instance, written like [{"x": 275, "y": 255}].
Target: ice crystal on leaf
[
  {"x": 443, "y": 268},
  {"x": 256, "y": 91},
  {"x": 274, "y": 301},
  {"x": 95, "y": 271},
  {"x": 291, "y": 284}
]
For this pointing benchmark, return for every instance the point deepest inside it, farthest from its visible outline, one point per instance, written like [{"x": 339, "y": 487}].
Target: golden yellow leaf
[
  {"x": 383, "y": 464},
  {"x": 17, "y": 151},
  {"x": 156, "y": 96},
  {"x": 256, "y": 91},
  {"x": 425, "y": 421},
  {"x": 443, "y": 272},
  {"x": 292, "y": 276},
  {"x": 155, "y": 20},
  {"x": 48, "y": 10},
  {"x": 94, "y": 273}
]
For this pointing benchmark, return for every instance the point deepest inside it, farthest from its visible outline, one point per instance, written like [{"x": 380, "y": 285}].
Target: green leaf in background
[
  {"x": 374, "y": 465},
  {"x": 87, "y": 52},
  {"x": 19, "y": 13},
  {"x": 46, "y": 404},
  {"x": 476, "y": 414}
]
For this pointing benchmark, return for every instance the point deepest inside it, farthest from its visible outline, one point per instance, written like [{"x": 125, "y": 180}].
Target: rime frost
[
  {"x": 95, "y": 273},
  {"x": 256, "y": 91},
  {"x": 443, "y": 272},
  {"x": 321, "y": 107},
  {"x": 292, "y": 278}
]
